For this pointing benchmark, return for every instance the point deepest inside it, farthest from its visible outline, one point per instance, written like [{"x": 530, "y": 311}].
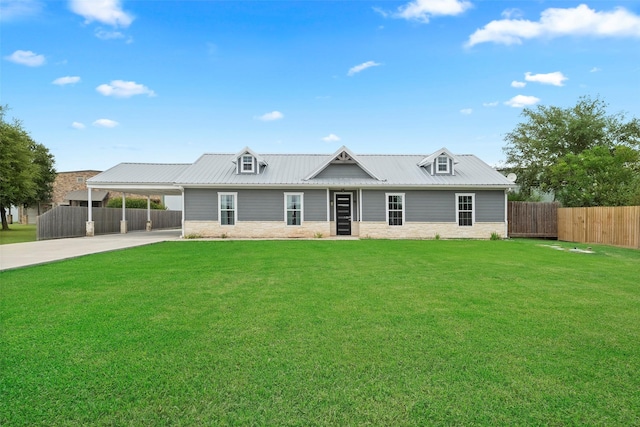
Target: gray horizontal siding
[
  {"x": 315, "y": 205},
  {"x": 200, "y": 204},
  {"x": 253, "y": 205},
  {"x": 343, "y": 171},
  {"x": 434, "y": 205},
  {"x": 490, "y": 206},
  {"x": 430, "y": 206}
]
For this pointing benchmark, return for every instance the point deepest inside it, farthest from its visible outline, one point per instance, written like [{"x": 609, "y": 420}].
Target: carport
[{"x": 145, "y": 179}]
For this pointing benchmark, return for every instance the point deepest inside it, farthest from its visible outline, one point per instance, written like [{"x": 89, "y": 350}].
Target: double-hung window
[
  {"x": 395, "y": 208},
  {"x": 443, "y": 164},
  {"x": 465, "y": 209},
  {"x": 227, "y": 208},
  {"x": 293, "y": 208},
  {"x": 247, "y": 164}
]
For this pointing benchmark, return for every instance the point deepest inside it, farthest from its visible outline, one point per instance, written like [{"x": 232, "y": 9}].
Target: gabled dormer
[
  {"x": 442, "y": 162},
  {"x": 342, "y": 164},
  {"x": 248, "y": 162}
]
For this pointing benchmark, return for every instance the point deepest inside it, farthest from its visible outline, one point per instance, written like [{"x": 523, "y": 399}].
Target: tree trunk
[{"x": 3, "y": 215}]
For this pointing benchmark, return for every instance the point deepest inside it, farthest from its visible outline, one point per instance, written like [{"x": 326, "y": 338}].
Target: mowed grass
[
  {"x": 18, "y": 233},
  {"x": 320, "y": 332}
]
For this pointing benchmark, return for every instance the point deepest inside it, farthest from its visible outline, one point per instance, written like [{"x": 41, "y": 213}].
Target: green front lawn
[
  {"x": 18, "y": 233},
  {"x": 320, "y": 332}
]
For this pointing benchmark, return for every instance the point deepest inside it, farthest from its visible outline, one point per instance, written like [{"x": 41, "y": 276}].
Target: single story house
[{"x": 253, "y": 195}]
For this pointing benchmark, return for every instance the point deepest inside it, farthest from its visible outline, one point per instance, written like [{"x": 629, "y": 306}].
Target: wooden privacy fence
[
  {"x": 533, "y": 219},
  {"x": 70, "y": 221},
  {"x": 617, "y": 226}
]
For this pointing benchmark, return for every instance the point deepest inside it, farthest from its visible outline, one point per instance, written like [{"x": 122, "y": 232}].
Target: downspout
[
  {"x": 506, "y": 213},
  {"x": 183, "y": 212}
]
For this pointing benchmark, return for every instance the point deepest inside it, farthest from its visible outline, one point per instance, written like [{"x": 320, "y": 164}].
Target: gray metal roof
[
  {"x": 219, "y": 170},
  {"x": 83, "y": 195},
  {"x": 292, "y": 169}
]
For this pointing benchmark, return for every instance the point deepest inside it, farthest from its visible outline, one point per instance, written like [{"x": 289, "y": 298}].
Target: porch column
[
  {"x": 90, "y": 226},
  {"x": 123, "y": 222},
  {"x": 148, "y": 213}
]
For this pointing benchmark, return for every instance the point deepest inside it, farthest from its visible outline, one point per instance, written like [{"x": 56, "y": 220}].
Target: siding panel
[
  {"x": 261, "y": 205},
  {"x": 200, "y": 204},
  {"x": 490, "y": 206},
  {"x": 343, "y": 171},
  {"x": 430, "y": 206}
]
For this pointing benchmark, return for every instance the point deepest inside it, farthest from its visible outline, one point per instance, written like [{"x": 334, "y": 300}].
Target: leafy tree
[
  {"x": 541, "y": 148},
  {"x": 596, "y": 177},
  {"x": 26, "y": 167}
]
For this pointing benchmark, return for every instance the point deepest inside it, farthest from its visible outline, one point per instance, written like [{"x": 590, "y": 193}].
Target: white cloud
[
  {"x": 490, "y": 104},
  {"x": 103, "y": 34},
  {"x": 331, "y": 138},
  {"x": 269, "y": 117},
  {"x": 78, "y": 125},
  {"x": 511, "y": 13},
  {"x": 595, "y": 70},
  {"x": 555, "y": 79},
  {"x": 26, "y": 57},
  {"x": 520, "y": 101},
  {"x": 105, "y": 123},
  {"x": 122, "y": 89},
  {"x": 423, "y": 10},
  {"x": 466, "y": 111},
  {"x": 557, "y": 22},
  {"x": 68, "y": 80},
  {"x": 105, "y": 11},
  {"x": 516, "y": 83},
  {"x": 361, "y": 67},
  {"x": 11, "y": 10}
]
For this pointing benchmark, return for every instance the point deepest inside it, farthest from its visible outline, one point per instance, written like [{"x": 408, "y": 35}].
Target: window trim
[
  {"x": 442, "y": 156},
  {"x": 473, "y": 209},
  {"x": 235, "y": 208},
  {"x": 286, "y": 210},
  {"x": 386, "y": 210},
  {"x": 242, "y": 163}
]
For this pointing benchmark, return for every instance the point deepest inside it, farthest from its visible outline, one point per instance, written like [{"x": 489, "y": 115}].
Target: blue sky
[{"x": 104, "y": 82}]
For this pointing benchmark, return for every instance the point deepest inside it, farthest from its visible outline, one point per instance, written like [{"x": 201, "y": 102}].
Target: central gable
[{"x": 342, "y": 164}]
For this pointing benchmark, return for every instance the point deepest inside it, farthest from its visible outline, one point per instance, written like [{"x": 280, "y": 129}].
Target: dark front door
[{"x": 343, "y": 214}]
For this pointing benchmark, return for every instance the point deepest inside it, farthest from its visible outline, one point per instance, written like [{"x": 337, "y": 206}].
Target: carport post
[
  {"x": 123, "y": 222},
  {"x": 148, "y": 213},
  {"x": 90, "y": 229}
]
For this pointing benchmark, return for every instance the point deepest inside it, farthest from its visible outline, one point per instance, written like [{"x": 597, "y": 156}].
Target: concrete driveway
[{"x": 32, "y": 253}]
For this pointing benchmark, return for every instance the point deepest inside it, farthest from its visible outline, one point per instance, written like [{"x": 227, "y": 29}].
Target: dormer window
[
  {"x": 247, "y": 165},
  {"x": 442, "y": 164}
]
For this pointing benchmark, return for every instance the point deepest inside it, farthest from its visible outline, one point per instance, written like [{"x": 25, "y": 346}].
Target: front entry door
[{"x": 343, "y": 214}]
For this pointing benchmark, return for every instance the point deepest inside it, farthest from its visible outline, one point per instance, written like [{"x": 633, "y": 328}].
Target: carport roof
[{"x": 140, "y": 178}]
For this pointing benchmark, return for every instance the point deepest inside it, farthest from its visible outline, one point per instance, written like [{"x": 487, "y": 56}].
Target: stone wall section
[
  {"x": 429, "y": 230},
  {"x": 256, "y": 229},
  {"x": 68, "y": 181},
  {"x": 311, "y": 229}
]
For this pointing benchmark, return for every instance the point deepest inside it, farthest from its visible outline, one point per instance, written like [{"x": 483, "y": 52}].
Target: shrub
[
  {"x": 496, "y": 236},
  {"x": 135, "y": 203}
]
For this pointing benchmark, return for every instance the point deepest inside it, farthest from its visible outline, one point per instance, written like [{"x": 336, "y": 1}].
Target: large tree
[
  {"x": 26, "y": 168},
  {"x": 574, "y": 151}
]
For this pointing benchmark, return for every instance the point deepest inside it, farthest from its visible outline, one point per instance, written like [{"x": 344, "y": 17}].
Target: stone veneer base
[{"x": 375, "y": 230}]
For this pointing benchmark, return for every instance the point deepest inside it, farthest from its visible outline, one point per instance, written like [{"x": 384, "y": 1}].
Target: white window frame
[
  {"x": 386, "y": 210},
  {"x": 286, "y": 209},
  {"x": 446, "y": 170},
  {"x": 473, "y": 209},
  {"x": 242, "y": 163},
  {"x": 235, "y": 208}
]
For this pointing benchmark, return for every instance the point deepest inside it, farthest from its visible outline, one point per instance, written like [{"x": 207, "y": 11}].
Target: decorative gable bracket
[{"x": 342, "y": 156}]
